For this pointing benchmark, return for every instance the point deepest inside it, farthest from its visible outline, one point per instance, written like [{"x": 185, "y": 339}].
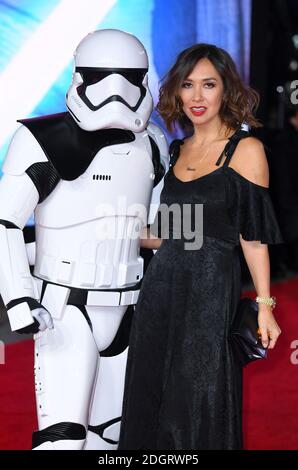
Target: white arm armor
[
  {"x": 18, "y": 199},
  {"x": 157, "y": 134}
]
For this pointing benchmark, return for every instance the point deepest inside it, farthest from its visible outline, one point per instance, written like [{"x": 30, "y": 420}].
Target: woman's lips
[{"x": 198, "y": 110}]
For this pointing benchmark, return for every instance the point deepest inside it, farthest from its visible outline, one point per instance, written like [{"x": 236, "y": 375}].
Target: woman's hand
[
  {"x": 268, "y": 327},
  {"x": 148, "y": 240}
]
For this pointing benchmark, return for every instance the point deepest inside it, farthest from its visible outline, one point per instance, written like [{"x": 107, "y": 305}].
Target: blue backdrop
[{"x": 37, "y": 39}]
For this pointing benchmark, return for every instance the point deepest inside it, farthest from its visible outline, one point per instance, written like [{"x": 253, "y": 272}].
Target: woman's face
[{"x": 201, "y": 93}]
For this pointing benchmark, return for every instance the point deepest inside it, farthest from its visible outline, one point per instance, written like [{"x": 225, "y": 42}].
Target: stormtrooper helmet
[{"x": 110, "y": 82}]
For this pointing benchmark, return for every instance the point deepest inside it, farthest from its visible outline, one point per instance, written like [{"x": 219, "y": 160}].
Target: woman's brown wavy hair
[{"x": 239, "y": 102}]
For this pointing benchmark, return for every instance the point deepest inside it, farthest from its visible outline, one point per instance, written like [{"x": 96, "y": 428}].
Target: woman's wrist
[
  {"x": 266, "y": 300},
  {"x": 265, "y": 309}
]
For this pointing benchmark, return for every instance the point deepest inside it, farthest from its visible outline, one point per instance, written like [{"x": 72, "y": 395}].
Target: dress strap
[
  {"x": 228, "y": 151},
  {"x": 231, "y": 146}
]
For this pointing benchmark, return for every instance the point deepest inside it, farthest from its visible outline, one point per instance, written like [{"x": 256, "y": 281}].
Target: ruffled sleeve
[{"x": 251, "y": 210}]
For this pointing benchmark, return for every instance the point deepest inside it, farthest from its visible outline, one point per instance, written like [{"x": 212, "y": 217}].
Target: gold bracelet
[{"x": 266, "y": 300}]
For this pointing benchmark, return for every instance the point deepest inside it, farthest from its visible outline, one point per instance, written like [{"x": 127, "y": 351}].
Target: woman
[{"x": 183, "y": 387}]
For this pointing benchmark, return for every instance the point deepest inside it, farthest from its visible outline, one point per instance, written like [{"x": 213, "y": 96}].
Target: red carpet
[
  {"x": 17, "y": 402},
  {"x": 270, "y": 387}
]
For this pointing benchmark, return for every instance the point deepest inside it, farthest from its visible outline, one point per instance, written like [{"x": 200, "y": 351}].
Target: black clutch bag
[{"x": 244, "y": 335}]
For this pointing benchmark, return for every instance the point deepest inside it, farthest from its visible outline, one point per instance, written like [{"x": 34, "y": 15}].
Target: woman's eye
[
  {"x": 210, "y": 85},
  {"x": 186, "y": 85}
]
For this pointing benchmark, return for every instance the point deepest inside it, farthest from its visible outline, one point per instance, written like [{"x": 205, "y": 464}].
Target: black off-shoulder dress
[{"x": 183, "y": 386}]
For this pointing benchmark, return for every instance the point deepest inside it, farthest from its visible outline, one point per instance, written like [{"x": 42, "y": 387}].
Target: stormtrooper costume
[{"x": 90, "y": 176}]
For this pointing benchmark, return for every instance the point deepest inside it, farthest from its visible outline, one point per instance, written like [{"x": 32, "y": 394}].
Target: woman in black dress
[{"x": 183, "y": 386}]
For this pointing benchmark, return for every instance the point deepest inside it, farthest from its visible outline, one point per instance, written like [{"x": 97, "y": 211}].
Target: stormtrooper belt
[{"x": 94, "y": 297}]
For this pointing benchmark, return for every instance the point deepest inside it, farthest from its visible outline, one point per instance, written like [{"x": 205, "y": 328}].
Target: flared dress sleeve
[{"x": 251, "y": 210}]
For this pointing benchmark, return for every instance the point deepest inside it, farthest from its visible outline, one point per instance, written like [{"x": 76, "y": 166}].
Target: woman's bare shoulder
[{"x": 250, "y": 160}]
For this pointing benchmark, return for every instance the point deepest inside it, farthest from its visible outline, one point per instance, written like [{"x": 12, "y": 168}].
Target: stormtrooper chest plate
[{"x": 118, "y": 181}]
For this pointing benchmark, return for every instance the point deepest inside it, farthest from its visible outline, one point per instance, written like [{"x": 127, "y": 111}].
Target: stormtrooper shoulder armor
[
  {"x": 26, "y": 156},
  {"x": 23, "y": 152},
  {"x": 157, "y": 134},
  {"x": 159, "y": 151},
  {"x": 68, "y": 149}
]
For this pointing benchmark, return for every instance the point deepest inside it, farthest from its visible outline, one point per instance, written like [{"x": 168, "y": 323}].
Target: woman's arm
[
  {"x": 252, "y": 163},
  {"x": 148, "y": 240},
  {"x": 257, "y": 258}
]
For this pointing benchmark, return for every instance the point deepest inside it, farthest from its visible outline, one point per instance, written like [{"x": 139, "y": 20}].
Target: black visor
[{"x": 91, "y": 75}]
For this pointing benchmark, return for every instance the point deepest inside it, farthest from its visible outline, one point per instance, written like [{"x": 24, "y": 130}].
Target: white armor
[{"x": 88, "y": 267}]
